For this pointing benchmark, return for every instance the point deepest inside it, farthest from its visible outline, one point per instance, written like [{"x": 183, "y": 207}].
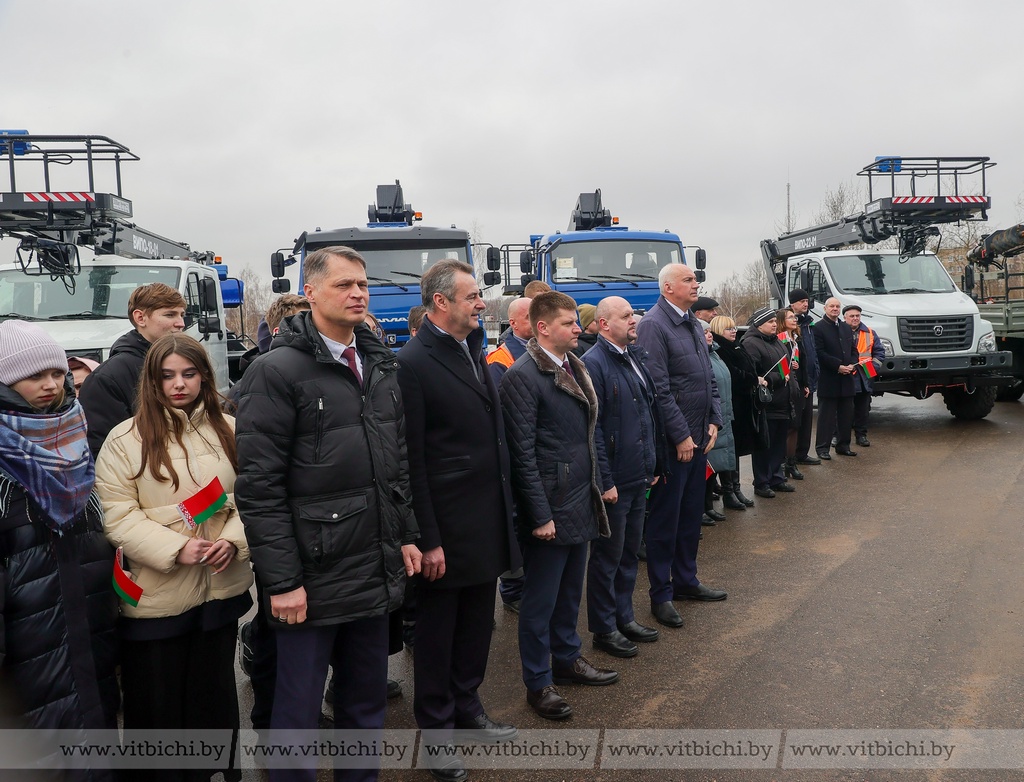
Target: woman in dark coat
[
  {"x": 770, "y": 362},
  {"x": 744, "y": 390},
  {"x": 788, "y": 331},
  {"x": 58, "y": 610}
]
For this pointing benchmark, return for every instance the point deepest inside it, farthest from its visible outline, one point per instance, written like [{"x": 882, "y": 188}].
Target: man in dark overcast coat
[{"x": 458, "y": 462}]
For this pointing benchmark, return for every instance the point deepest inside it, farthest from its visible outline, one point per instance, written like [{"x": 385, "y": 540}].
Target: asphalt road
[{"x": 884, "y": 595}]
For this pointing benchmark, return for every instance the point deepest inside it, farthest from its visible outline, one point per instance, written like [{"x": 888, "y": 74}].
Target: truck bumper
[{"x": 926, "y": 374}]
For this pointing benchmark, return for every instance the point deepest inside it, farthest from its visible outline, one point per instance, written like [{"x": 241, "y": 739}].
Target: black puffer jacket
[
  {"x": 108, "y": 394},
  {"x": 323, "y": 477},
  {"x": 549, "y": 423},
  {"x": 58, "y": 611},
  {"x": 765, "y": 352}
]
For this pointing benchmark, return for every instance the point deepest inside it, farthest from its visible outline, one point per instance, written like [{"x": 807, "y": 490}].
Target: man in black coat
[
  {"x": 550, "y": 413},
  {"x": 458, "y": 465},
  {"x": 108, "y": 394},
  {"x": 323, "y": 490},
  {"x": 837, "y": 360}
]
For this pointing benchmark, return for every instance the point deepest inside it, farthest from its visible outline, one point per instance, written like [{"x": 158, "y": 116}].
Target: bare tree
[{"x": 743, "y": 292}]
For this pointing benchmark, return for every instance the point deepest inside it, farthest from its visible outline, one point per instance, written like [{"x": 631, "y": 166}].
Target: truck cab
[
  {"x": 397, "y": 252},
  {"x": 596, "y": 257}
]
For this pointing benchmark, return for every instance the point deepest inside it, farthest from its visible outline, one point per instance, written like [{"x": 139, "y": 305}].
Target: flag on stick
[
  {"x": 126, "y": 589},
  {"x": 203, "y": 504}
]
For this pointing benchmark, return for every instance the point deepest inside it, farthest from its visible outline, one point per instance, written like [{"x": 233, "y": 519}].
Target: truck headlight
[
  {"x": 987, "y": 344},
  {"x": 887, "y": 344}
]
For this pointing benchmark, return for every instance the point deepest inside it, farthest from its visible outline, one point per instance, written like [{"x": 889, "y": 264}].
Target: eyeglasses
[{"x": 730, "y": 328}]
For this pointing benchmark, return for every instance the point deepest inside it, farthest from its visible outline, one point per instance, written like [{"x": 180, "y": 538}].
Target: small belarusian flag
[
  {"x": 203, "y": 504},
  {"x": 126, "y": 589},
  {"x": 709, "y": 471},
  {"x": 784, "y": 368},
  {"x": 868, "y": 368}
]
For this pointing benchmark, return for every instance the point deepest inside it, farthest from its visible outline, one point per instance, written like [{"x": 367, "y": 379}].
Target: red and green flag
[
  {"x": 868, "y": 368},
  {"x": 203, "y": 504},
  {"x": 126, "y": 589},
  {"x": 783, "y": 366},
  {"x": 708, "y": 471}
]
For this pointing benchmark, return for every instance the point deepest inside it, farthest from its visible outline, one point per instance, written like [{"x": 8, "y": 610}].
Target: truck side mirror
[
  {"x": 209, "y": 324},
  {"x": 700, "y": 261},
  {"x": 526, "y": 262},
  {"x": 492, "y": 278},
  {"x": 277, "y": 265},
  {"x": 281, "y": 286},
  {"x": 701, "y": 275},
  {"x": 493, "y": 259},
  {"x": 526, "y": 279},
  {"x": 968, "y": 278}
]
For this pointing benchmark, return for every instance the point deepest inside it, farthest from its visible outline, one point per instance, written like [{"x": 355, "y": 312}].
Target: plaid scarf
[{"x": 48, "y": 455}]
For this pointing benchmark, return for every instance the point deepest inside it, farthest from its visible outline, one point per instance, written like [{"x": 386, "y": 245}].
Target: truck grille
[{"x": 936, "y": 335}]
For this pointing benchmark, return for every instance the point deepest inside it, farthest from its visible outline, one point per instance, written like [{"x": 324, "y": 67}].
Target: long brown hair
[{"x": 152, "y": 423}]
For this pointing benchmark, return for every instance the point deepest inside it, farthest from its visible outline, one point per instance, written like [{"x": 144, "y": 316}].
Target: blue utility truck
[
  {"x": 596, "y": 257},
  {"x": 397, "y": 253}
]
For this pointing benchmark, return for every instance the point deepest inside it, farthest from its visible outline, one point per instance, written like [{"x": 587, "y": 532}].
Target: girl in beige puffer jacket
[{"x": 166, "y": 479}]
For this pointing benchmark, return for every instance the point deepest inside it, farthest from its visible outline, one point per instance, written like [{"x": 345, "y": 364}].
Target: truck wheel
[
  {"x": 970, "y": 407},
  {"x": 1011, "y": 393}
]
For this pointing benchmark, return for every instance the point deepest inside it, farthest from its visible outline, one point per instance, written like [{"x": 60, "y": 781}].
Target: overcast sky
[{"x": 256, "y": 121}]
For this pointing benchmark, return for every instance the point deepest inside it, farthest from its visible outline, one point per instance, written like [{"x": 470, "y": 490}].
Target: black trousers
[
  {"x": 861, "y": 408},
  {"x": 359, "y": 653},
  {"x": 453, "y": 639},
  {"x": 186, "y": 682},
  {"x": 767, "y": 463},
  {"x": 835, "y": 414},
  {"x": 805, "y": 428}
]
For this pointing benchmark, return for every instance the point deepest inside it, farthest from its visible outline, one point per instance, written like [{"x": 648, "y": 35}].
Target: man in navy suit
[{"x": 680, "y": 363}]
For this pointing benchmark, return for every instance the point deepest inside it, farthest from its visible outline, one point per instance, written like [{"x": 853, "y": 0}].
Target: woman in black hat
[{"x": 771, "y": 362}]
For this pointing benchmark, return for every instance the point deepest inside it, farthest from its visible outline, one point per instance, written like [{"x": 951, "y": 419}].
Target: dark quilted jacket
[
  {"x": 108, "y": 394},
  {"x": 549, "y": 423},
  {"x": 323, "y": 477},
  {"x": 765, "y": 351}
]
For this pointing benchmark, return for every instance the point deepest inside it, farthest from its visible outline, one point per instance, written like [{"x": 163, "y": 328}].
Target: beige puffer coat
[{"x": 142, "y": 516}]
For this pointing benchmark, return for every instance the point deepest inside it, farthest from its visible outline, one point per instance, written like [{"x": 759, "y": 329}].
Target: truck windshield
[
  {"x": 632, "y": 260},
  {"x": 402, "y": 262},
  {"x": 884, "y": 273},
  {"x": 100, "y": 292}
]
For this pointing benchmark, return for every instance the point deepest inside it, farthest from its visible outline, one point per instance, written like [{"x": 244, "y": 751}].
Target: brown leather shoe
[
  {"x": 582, "y": 672},
  {"x": 548, "y": 703}
]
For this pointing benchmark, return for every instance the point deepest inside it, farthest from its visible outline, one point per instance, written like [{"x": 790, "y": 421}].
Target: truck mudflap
[{"x": 924, "y": 375}]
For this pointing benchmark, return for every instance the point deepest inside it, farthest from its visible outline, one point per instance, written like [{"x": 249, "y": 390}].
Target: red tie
[
  {"x": 567, "y": 368},
  {"x": 349, "y": 354}
]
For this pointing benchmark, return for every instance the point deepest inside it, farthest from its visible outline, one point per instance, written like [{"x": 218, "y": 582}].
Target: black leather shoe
[
  {"x": 548, "y": 703},
  {"x": 824, "y": 456},
  {"x": 808, "y": 460},
  {"x": 636, "y": 632},
  {"x": 582, "y": 672},
  {"x": 863, "y": 441},
  {"x": 707, "y": 521},
  {"x": 615, "y": 644},
  {"x": 766, "y": 493},
  {"x": 483, "y": 728},
  {"x": 444, "y": 763},
  {"x": 745, "y": 500},
  {"x": 700, "y": 592},
  {"x": 847, "y": 452},
  {"x": 792, "y": 471},
  {"x": 715, "y": 515},
  {"x": 783, "y": 487},
  {"x": 394, "y": 689},
  {"x": 666, "y": 614}
]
